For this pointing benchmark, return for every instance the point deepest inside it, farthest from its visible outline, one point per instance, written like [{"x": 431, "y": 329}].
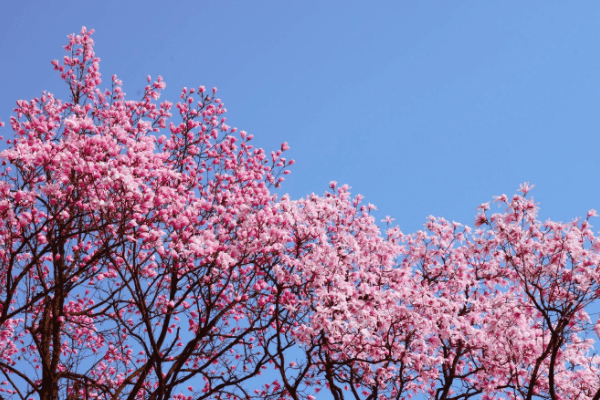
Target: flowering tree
[
  {"x": 133, "y": 265},
  {"x": 493, "y": 313},
  {"x": 141, "y": 265}
]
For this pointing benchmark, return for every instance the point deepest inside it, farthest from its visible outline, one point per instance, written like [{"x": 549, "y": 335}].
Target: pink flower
[
  {"x": 480, "y": 220},
  {"x": 484, "y": 206},
  {"x": 525, "y": 188}
]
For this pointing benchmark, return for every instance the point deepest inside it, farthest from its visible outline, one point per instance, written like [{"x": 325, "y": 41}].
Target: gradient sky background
[{"x": 428, "y": 107}]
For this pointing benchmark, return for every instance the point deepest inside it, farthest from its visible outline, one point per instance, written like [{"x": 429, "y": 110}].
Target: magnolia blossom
[{"x": 143, "y": 255}]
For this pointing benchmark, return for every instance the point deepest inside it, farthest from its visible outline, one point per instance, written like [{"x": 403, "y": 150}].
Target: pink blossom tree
[
  {"x": 493, "y": 313},
  {"x": 143, "y": 256},
  {"x": 132, "y": 265}
]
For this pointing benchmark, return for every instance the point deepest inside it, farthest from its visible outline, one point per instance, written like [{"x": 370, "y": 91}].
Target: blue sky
[{"x": 427, "y": 107}]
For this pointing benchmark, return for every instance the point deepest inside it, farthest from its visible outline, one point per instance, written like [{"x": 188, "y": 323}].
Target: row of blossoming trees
[{"x": 135, "y": 265}]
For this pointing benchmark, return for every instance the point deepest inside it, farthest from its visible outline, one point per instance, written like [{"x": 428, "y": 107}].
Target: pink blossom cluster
[{"x": 143, "y": 255}]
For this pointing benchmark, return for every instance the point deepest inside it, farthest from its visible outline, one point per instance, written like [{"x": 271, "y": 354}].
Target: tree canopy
[{"x": 145, "y": 255}]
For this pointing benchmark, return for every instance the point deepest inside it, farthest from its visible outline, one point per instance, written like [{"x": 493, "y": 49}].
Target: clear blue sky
[{"x": 428, "y": 107}]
